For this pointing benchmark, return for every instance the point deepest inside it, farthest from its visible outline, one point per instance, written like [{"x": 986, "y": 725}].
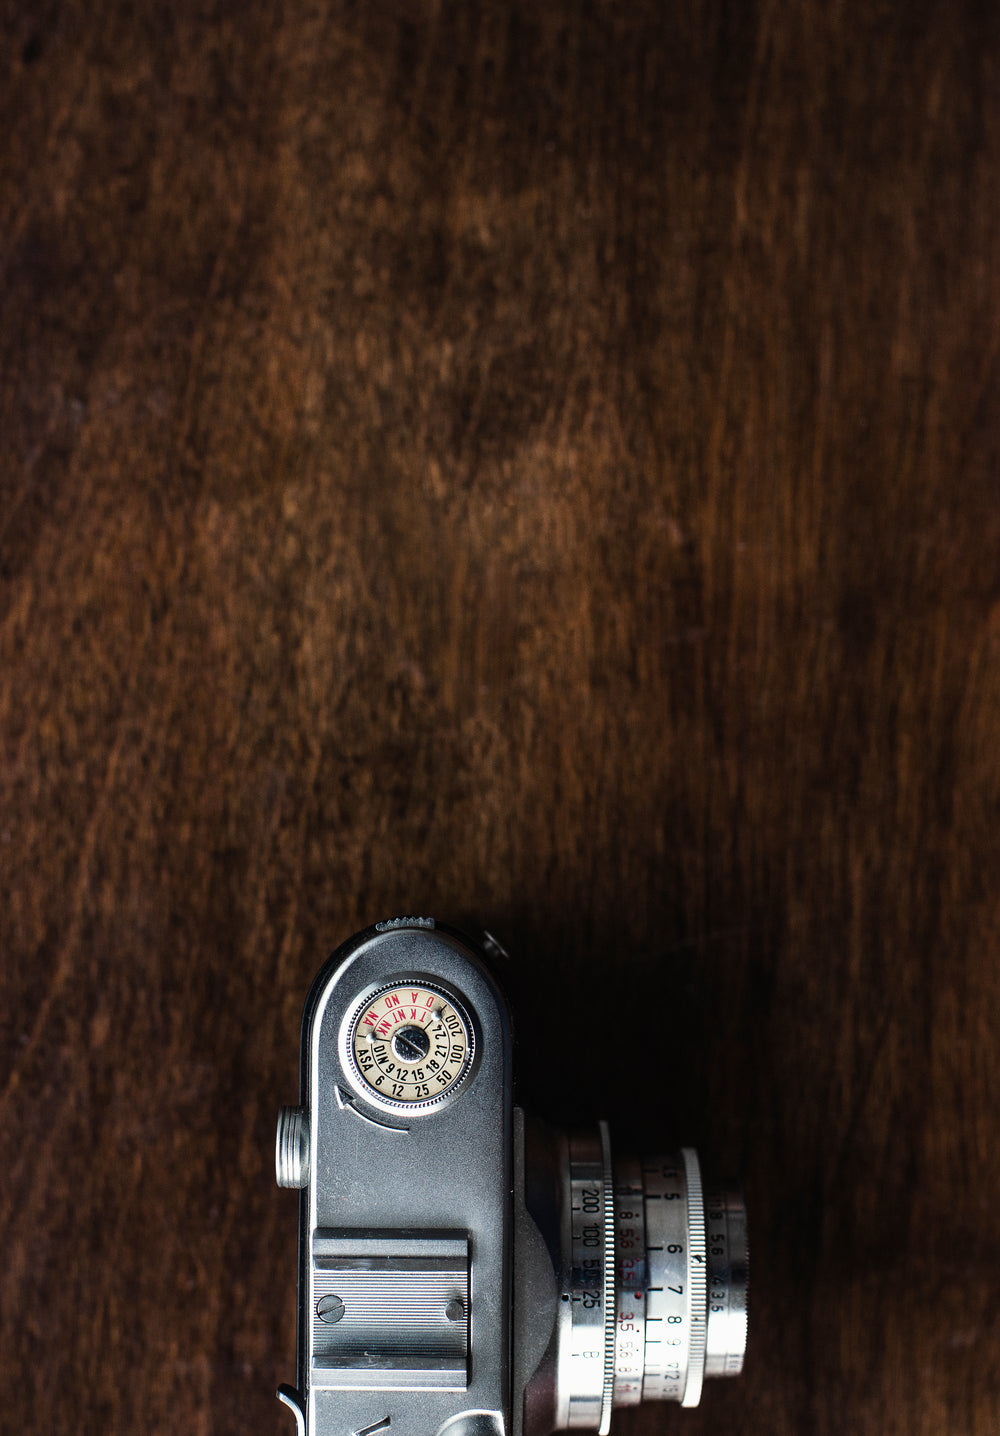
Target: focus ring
[
  {"x": 697, "y": 1278},
  {"x": 610, "y": 1302}
]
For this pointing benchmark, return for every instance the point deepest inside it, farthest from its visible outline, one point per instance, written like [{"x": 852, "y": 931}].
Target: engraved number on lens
[
  {"x": 672, "y": 1306},
  {"x": 411, "y": 1045}
]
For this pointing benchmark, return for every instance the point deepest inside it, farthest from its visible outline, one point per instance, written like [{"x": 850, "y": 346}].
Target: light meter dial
[{"x": 409, "y": 1046}]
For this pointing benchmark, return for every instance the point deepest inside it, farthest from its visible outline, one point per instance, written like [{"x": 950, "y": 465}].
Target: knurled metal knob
[{"x": 291, "y": 1149}]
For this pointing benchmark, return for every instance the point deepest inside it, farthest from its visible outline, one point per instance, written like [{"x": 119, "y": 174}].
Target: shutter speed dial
[{"x": 409, "y": 1046}]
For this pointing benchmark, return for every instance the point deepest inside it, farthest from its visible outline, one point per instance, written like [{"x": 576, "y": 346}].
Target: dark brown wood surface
[{"x": 535, "y": 464}]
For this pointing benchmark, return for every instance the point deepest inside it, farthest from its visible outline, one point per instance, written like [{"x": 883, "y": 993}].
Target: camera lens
[
  {"x": 681, "y": 1280},
  {"x": 651, "y": 1276}
]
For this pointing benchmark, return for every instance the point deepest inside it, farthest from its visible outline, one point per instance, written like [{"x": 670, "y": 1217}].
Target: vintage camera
[{"x": 463, "y": 1269}]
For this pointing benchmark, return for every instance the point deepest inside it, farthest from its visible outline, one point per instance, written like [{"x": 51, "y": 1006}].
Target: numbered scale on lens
[
  {"x": 726, "y": 1241},
  {"x": 654, "y": 1291},
  {"x": 630, "y": 1312},
  {"x": 586, "y": 1359},
  {"x": 677, "y": 1286}
]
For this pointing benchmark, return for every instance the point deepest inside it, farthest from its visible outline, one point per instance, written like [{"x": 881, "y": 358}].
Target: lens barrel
[
  {"x": 681, "y": 1280},
  {"x": 651, "y": 1274}
]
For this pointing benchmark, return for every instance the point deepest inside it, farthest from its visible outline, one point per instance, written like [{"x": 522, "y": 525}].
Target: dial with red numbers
[{"x": 411, "y": 1045}]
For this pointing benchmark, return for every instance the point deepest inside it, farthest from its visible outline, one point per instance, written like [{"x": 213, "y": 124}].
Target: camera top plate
[{"x": 405, "y": 1228}]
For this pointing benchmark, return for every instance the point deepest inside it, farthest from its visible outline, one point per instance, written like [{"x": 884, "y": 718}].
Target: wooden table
[{"x": 536, "y": 465}]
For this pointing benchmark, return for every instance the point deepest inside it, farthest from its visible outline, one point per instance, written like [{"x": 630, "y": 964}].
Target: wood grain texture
[{"x": 536, "y": 465}]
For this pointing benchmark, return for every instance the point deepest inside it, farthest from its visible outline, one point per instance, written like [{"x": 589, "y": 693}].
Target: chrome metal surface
[
  {"x": 465, "y": 1270},
  {"x": 291, "y": 1398},
  {"x": 405, "y": 1218},
  {"x": 726, "y": 1236},
  {"x": 388, "y": 1309},
  {"x": 291, "y": 1148},
  {"x": 582, "y": 1327},
  {"x": 651, "y": 1324},
  {"x": 608, "y": 1218}
]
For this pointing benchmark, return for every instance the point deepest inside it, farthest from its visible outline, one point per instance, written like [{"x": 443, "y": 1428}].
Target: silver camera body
[{"x": 463, "y": 1269}]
